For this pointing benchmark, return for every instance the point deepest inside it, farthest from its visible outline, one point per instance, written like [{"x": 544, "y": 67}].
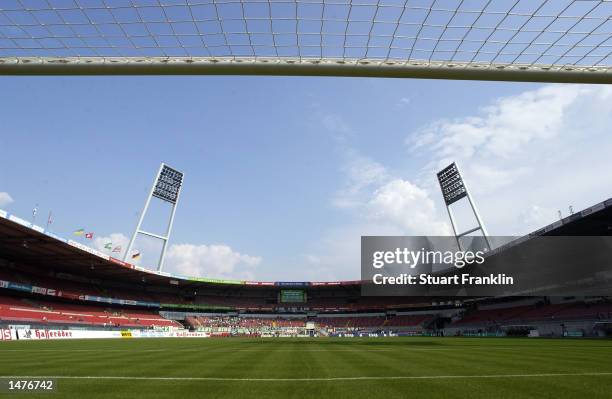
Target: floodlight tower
[
  {"x": 167, "y": 187},
  {"x": 454, "y": 189}
]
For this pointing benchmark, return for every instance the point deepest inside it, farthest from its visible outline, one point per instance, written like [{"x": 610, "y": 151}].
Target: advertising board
[{"x": 47, "y": 334}]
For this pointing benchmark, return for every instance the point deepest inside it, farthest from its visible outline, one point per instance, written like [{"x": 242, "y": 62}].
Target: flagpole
[{"x": 49, "y": 220}]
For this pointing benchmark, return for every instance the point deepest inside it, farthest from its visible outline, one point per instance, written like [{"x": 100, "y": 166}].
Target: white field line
[
  {"x": 236, "y": 350},
  {"x": 314, "y": 379}
]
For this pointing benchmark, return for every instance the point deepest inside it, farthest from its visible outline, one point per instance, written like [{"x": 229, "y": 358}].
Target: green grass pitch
[{"x": 281, "y": 368}]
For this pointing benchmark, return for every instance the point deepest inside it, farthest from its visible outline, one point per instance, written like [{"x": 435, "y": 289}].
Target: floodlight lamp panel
[
  {"x": 168, "y": 184},
  {"x": 451, "y": 183}
]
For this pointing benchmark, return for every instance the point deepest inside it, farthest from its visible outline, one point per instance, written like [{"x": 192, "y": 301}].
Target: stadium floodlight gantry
[{"x": 515, "y": 40}]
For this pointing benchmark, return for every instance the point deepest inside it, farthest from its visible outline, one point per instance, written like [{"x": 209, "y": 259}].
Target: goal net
[{"x": 526, "y": 40}]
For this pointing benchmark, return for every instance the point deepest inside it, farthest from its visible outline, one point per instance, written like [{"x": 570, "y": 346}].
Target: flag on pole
[
  {"x": 136, "y": 255},
  {"x": 117, "y": 249},
  {"x": 34, "y": 212},
  {"x": 108, "y": 245},
  {"x": 89, "y": 235},
  {"x": 79, "y": 232}
]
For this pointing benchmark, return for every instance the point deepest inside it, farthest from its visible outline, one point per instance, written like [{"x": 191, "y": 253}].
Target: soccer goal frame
[{"x": 568, "y": 41}]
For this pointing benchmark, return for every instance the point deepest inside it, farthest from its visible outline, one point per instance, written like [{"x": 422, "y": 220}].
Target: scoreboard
[{"x": 292, "y": 296}]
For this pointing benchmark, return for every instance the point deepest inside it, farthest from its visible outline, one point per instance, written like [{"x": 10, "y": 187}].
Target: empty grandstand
[{"x": 48, "y": 282}]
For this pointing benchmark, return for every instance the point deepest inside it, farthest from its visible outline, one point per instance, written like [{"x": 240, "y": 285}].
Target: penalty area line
[{"x": 315, "y": 379}]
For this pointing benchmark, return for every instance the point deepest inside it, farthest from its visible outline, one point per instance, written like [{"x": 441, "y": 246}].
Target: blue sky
[{"x": 282, "y": 175}]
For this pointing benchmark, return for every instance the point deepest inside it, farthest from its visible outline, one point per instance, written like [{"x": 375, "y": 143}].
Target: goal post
[{"x": 513, "y": 40}]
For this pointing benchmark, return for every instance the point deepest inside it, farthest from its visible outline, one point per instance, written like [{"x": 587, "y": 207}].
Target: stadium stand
[
  {"x": 540, "y": 312},
  {"x": 352, "y": 322},
  {"x": 336, "y": 322},
  {"x": 409, "y": 320},
  {"x": 46, "y": 312},
  {"x": 47, "y": 282}
]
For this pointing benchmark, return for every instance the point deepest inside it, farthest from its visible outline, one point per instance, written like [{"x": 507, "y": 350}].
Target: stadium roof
[{"x": 23, "y": 242}]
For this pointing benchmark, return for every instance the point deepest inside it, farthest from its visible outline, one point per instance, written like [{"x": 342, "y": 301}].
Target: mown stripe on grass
[{"x": 355, "y": 349}]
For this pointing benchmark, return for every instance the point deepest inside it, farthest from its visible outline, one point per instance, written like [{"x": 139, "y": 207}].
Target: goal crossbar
[
  {"x": 514, "y": 40},
  {"x": 297, "y": 67}
]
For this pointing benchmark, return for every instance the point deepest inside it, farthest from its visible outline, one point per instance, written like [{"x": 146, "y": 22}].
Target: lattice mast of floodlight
[
  {"x": 453, "y": 190},
  {"x": 167, "y": 187}
]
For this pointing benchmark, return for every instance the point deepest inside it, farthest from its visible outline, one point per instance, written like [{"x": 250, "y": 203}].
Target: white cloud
[
  {"x": 5, "y": 199},
  {"x": 527, "y": 155},
  {"x": 385, "y": 206},
  {"x": 523, "y": 157},
  {"x": 335, "y": 123},
  {"x": 362, "y": 174},
  {"x": 506, "y": 127},
  {"x": 380, "y": 203},
  {"x": 338, "y": 252},
  {"x": 401, "y": 203},
  {"x": 404, "y": 101},
  {"x": 313, "y": 259},
  {"x": 375, "y": 195},
  {"x": 536, "y": 215},
  {"x": 216, "y": 261},
  {"x": 213, "y": 261}
]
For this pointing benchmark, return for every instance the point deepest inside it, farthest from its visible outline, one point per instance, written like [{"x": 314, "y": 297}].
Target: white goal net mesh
[{"x": 545, "y": 35}]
